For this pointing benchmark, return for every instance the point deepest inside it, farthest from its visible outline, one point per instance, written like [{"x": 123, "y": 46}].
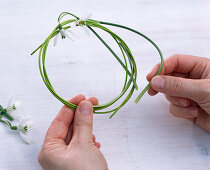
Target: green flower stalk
[{"x": 128, "y": 63}]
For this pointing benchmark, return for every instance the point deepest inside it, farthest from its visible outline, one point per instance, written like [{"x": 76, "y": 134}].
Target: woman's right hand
[{"x": 185, "y": 81}]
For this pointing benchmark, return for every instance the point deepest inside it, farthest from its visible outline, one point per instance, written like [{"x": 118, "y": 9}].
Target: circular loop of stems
[{"x": 128, "y": 63}]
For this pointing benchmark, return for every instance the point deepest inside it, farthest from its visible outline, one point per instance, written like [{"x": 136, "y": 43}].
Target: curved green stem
[{"x": 124, "y": 49}]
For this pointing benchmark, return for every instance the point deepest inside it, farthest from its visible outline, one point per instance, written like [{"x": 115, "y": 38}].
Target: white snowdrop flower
[
  {"x": 63, "y": 33},
  {"x": 14, "y": 106},
  {"x": 82, "y": 23},
  {"x": 23, "y": 129},
  {"x": 82, "y": 20}
]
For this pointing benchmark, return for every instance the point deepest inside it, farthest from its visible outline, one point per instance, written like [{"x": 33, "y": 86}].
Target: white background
[{"x": 143, "y": 136}]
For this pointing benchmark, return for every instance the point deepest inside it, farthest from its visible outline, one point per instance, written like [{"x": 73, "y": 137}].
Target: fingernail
[
  {"x": 193, "y": 112},
  {"x": 158, "y": 82},
  {"x": 85, "y": 107},
  {"x": 183, "y": 102}
]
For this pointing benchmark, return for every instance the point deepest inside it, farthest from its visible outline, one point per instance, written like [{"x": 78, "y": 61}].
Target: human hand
[
  {"x": 69, "y": 143},
  {"x": 185, "y": 81}
]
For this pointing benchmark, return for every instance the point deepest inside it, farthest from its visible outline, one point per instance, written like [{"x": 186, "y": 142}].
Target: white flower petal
[
  {"x": 25, "y": 138},
  {"x": 9, "y": 109},
  {"x": 86, "y": 30},
  {"x": 56, "y": 39},
  {"x": 9, "y": 101},
  {"x": 30, "y": 123},
  {"x": 18, "y": 104},
  {"x": 62, "y": 32},
  {"x": 24, "y": 121},
  {"x": 71, "y": 34},
  {"x": 86, "y": 16},
  {"x": 12, "y": 106},
  {"x": 16, "y": 116}
]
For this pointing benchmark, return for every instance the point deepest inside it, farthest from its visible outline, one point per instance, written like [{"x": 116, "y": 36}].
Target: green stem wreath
[{"x": 128, "y": 59}]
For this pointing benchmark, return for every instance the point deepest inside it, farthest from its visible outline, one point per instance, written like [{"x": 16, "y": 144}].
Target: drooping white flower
[
  {"x": 14, "y": 106},
  {"x": 23, "y": 128},
  {"x": 69, "y": 34},
  {"x": 82, "y": 22},
  {"x": 63, "y": 33}
]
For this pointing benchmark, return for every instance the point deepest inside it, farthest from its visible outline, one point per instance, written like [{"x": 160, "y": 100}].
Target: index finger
[
  {"x": 60, "y": 125},
  {"x": 178, "y": 63}
]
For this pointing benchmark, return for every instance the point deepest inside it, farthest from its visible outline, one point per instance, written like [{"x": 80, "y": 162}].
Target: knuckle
[
  {"x": 81, "y": 142},
  {"x": 84, "y": 143},
  {"x": 176, "y": 85},
  {"x": 204, "y": 97},
  {"x": 205, "y": 86},
  {"x": 175, "y": 55},
  {"x": 57, "y": 124},
  {"x": 83, "y": 123}
]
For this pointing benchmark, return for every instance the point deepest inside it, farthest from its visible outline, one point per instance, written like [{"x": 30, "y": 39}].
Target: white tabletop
[{"x": 143, "y": 136}]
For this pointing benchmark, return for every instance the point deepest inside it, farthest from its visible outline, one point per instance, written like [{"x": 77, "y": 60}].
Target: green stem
[
  {"x": 7, "y": 115},
  {"x": 126, "y": 52},
  {"x": 8, "y": 124},
  {"x": 144, "y": 36}
]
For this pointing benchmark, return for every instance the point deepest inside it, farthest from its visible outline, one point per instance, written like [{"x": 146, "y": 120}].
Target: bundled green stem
[
  {"x": 128, "y": 63},
  {"x": 8, "y": 124},
  {"x": 3, "y": 112}
]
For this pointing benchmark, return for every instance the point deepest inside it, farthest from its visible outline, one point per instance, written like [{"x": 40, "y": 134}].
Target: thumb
[
  {"x": 177, "y": 86},
  {"x": 83, "y": 122}
]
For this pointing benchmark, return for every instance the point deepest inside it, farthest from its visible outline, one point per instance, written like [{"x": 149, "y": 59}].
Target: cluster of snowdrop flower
[
  {"x": 7, "y": 115},
  {"x": 69, "y": 34}
]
